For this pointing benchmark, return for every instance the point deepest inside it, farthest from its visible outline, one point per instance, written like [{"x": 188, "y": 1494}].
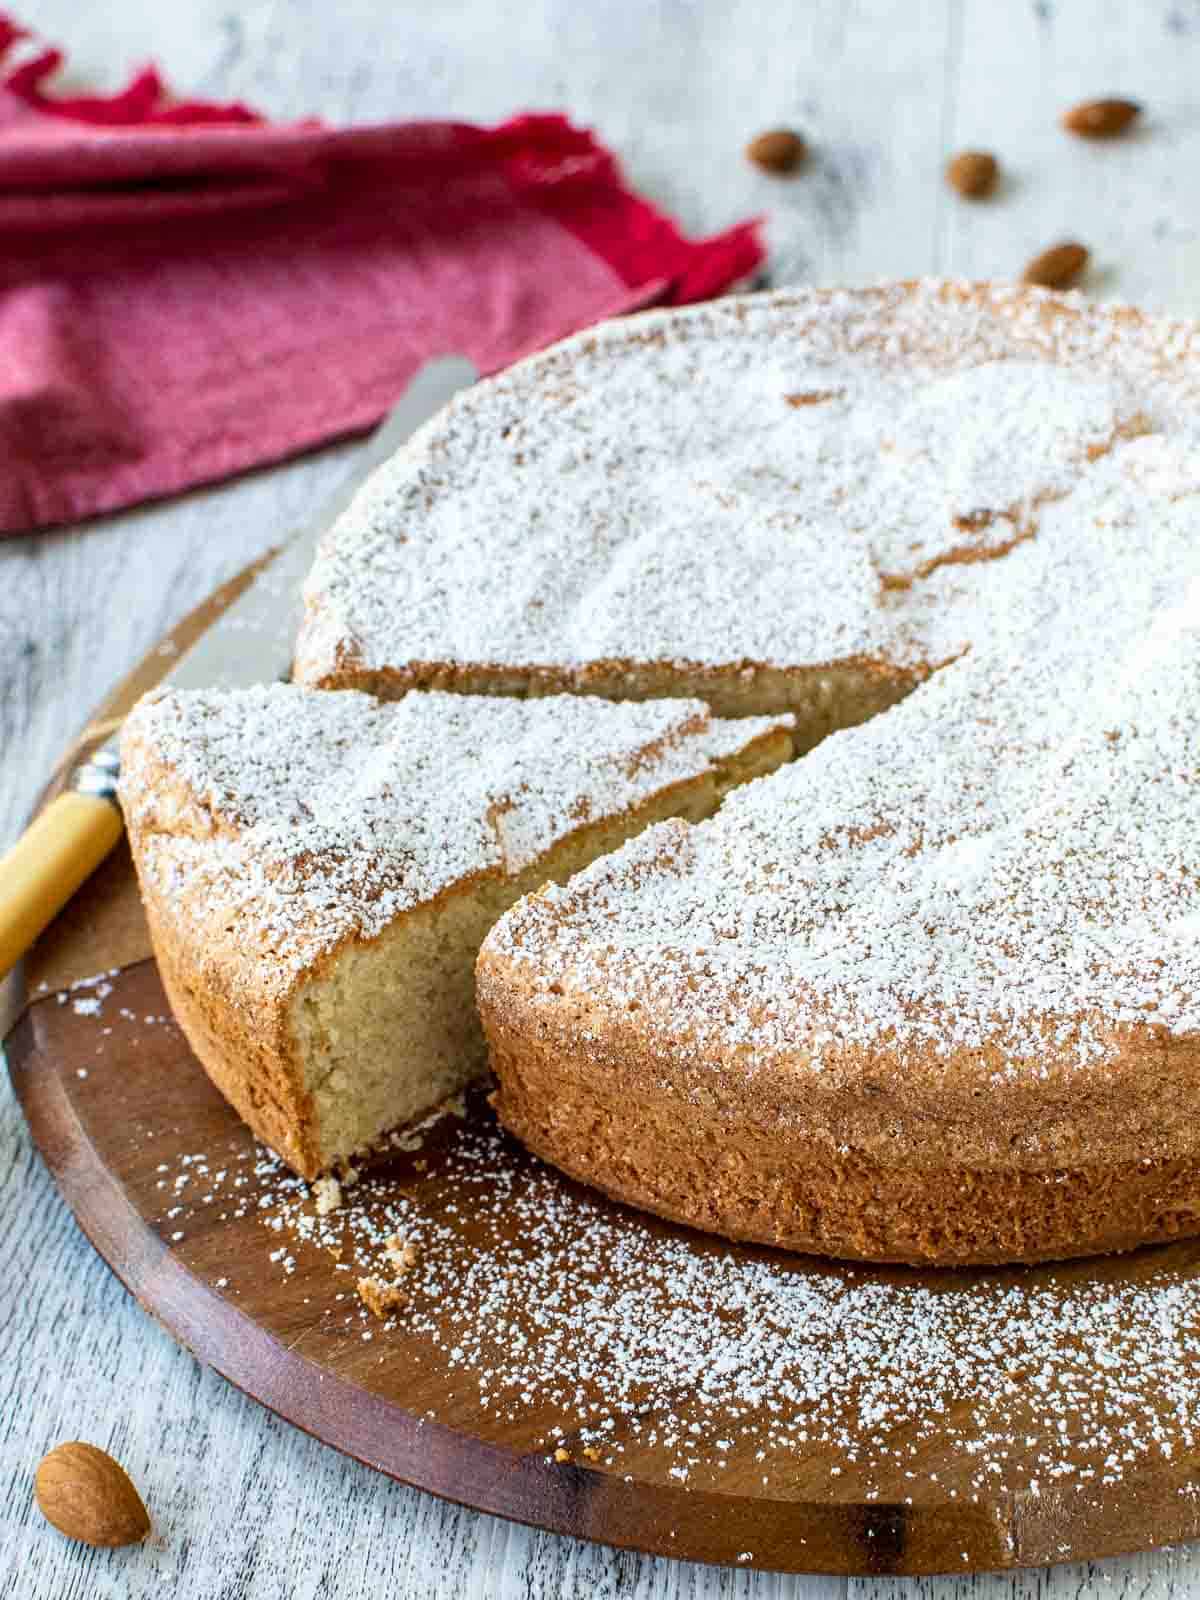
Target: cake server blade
[{"x": 251, "y": 642}]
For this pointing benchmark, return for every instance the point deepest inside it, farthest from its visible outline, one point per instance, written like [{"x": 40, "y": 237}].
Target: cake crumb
[
  {"x": 380, "y": 1297},
  {"x": 562, "y": 1455},
  {"x": 327, "y": 1196},
  {"x": 401, "y": 1254}
]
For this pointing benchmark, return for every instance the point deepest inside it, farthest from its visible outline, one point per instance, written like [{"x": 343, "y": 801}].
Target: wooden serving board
[{"x": 804, "y": 1416}]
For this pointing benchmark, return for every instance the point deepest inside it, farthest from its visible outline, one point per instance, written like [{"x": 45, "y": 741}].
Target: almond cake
[{"x": 929, "y": 993}]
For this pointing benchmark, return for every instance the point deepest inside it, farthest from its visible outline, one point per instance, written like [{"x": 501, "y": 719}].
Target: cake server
[{"x": 251, "y": 642}]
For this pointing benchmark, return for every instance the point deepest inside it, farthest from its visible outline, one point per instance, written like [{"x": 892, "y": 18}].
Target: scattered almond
[
  {"x": 972, "y": 172},
  {"x": 779, "y": 150},
  {"x": 1100, "y": 119},
  {"x": 1058, "y": 267},
  {"x": 89, "y": 1496}
]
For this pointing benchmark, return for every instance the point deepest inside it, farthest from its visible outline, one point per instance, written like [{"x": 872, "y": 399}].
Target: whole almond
[
  {"x": 972, "y": 172},
  {"x": 89, "y": 1496},
  {"x": 779, "y": 150},
  {"x": 1058, "y": 267},
  {"x": 1100, "y": 119}
]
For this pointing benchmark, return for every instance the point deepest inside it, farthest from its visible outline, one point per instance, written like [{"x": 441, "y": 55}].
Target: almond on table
[
  {"x": 1101, "y": 119},
  {"x": 778, "y": 150},
  {"x": 89, "y": 1496},
  {"x": 973, "y": 173},
  {"x": 1057, "y": 268}
]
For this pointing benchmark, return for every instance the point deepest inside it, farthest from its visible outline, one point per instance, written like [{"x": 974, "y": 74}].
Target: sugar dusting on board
[{"x": 639, "y": 1337}]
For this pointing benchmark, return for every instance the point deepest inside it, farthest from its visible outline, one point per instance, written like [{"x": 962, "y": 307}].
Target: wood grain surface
[{"x": 245, "y": 1505}]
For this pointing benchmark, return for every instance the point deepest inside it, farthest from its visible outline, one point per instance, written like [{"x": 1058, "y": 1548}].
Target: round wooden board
[{"x": 173, "y": 1192}]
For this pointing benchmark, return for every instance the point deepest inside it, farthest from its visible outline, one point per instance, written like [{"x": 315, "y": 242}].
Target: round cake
[{"x": 931, "y": 993}]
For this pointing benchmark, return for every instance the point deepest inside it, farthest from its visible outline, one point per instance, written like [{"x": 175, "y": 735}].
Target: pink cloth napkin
[{"x": 187, "y": 291}]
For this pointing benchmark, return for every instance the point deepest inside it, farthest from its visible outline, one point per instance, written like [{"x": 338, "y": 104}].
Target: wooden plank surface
[{"x": 245, "y": 1505}]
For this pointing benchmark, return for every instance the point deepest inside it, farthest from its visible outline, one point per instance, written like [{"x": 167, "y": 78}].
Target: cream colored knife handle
[{"x": 59, "y": 849}]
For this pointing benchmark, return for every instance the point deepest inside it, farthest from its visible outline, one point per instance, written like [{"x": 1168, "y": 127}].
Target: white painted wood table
[{"x": 243, "y": 1504}]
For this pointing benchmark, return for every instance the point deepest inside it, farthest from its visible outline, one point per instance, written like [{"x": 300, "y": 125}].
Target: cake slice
[{"x": 319, "y": 871}]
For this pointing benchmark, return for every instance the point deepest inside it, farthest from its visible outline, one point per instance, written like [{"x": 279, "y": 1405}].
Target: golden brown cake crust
[
  {"x": 865, "y": 1174},
  {"x": 1145, "y": 1105},
  {"x": 241, "y": 1037}
]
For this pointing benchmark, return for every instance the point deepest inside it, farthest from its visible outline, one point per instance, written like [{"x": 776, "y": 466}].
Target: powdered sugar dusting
[
  {"x": 655, "y": 491},
  {"x": 302, "y": 818},
  {"x": 1004, "y": 864},
  {"x": 649, "y": 1344}
]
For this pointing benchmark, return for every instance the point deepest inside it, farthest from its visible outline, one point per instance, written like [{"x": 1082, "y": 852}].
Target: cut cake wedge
[{"x": 319, "y": 871}]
